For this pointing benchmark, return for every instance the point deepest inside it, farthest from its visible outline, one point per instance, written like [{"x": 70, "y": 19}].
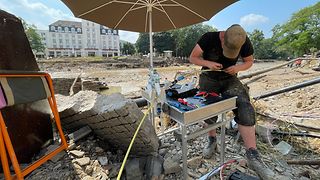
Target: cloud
[
  {"x": 128, "y": 36},
  {"x": 41, "y": 8},
  {"x": 253, "y": 19}
]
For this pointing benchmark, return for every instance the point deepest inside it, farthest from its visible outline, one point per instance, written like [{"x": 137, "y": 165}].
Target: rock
[
  {"x": 279, "y": 169},
  {"x": 88, "y": 178},
  {"x": 163, "y": 151},
  {"x": 99, "y": 150},
  {"x": 103, "y": 160},
  {"x": 154, "y": 166},
  {"x": 104, "y": 176},
  {"x": 203, "y": 170},
  {"x": 241, "y": 169},
  {"x": 133, "y": 169},
  {"x": 88, "y": 170},
  {"x": 195, "y": 162},
  {"x": 83, "y": 161},
  {"x": 77, "y": 153},
  {"x": 171, "y": 166}
]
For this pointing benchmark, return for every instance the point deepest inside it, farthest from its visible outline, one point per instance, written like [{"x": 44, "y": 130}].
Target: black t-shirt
[{"x": 212, "y": 50}]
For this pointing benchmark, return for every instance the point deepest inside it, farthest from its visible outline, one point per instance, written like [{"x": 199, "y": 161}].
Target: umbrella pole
[{"x": 150, "y": 38}]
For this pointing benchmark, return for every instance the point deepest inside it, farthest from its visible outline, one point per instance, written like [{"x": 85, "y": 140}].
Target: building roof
[{"x": 66, "y": 23}]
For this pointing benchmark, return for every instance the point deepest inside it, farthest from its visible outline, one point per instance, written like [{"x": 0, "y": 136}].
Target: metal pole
[
  {"x": 290, "y": 88},
  {"x": 184, "y": 151},
  {"x": 223, "y": 133},
  {"x": 150, "y": 37},
  {"x": 267, "y": 70}
]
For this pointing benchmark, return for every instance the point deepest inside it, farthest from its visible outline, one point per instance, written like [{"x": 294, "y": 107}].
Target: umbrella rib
[
  {"x": 126, "y": 2},
  {"x": 163, "y": 10},
  {"x": 190, "y": 10},
  {"x": 126, "y": 14}
]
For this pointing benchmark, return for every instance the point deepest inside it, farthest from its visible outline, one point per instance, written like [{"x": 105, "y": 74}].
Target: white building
[{"x": 85, "y": 38}]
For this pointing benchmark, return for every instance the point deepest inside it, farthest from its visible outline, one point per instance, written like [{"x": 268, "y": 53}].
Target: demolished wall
[{"x": 112, "y": 118}]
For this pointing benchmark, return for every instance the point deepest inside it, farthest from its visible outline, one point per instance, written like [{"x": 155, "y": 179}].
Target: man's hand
[
  {"x": 214, "y": 66},
  {"x": 232, "y": 70}
]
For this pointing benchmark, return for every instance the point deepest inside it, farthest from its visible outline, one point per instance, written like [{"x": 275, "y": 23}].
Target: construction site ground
[{"x": 293, "y": 111}]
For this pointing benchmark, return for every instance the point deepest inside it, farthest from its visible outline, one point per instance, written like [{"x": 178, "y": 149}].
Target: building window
[
  {"x": 60, "y": 41},
  {"x": 73, "y": 29},
  {"x": 53, "y": 28},
  {"x": 60, "y": 36},
  {"x": 53, "y": 35},
  {"x": 54, "y": 41},
  {"x": 79, "y": 30},
  {"x": 59, "y": 29},
  {"x": 103, "y": 31},
  {"x": 66, "y": 29},
  {"x": 114, "y": 32}
]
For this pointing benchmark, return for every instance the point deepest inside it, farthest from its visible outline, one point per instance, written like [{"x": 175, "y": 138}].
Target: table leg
[
  {"x": 223, "y": 143},
  {"x": 184, "y": 151}
]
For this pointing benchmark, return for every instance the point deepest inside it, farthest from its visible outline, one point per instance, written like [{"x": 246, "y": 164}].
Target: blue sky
[{"x": 251, "y": 14}]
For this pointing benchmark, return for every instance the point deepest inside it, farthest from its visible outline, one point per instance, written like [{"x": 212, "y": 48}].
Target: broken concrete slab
[{"x": 112, "y": 118}]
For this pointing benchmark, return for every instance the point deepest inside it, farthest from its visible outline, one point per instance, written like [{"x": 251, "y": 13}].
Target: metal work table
[
  {"x": 191, "y": 117},
  {"x": 187, "y": 118}
]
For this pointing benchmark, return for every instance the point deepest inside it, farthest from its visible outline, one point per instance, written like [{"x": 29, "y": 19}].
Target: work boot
[
  {"x": 255, "y": 163},
  {"x": 210, "y": 148}
]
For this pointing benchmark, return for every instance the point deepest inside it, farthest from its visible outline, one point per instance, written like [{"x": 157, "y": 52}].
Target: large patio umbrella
[{"x": 146, "y": 15}]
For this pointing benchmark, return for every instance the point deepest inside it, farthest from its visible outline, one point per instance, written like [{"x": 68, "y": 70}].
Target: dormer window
[{"x": 53, "y": 28}]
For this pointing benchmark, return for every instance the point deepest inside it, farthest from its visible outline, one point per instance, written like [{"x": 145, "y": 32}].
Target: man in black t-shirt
[{"x": 218, "y": 52}]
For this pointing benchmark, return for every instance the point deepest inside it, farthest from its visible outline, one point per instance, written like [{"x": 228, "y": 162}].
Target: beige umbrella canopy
[
  {"x": 132, "y": 15},
  {"x": 146, "y": 15}
]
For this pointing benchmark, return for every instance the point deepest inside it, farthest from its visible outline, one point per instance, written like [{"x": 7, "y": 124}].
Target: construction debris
[{"x": 112, "y": 118}]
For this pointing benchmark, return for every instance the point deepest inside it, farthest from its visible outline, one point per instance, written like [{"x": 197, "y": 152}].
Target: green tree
[
  {"x": 301, "y": 32},
  {"x": 33, "y": 37},
  {"x": 187, "y": 37},
  {"x": 128, "y": 48},
  {"x": 257, "y": 38},
  {"x": 142, "y": 44},
  {"x": 163, "y": 41}
]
